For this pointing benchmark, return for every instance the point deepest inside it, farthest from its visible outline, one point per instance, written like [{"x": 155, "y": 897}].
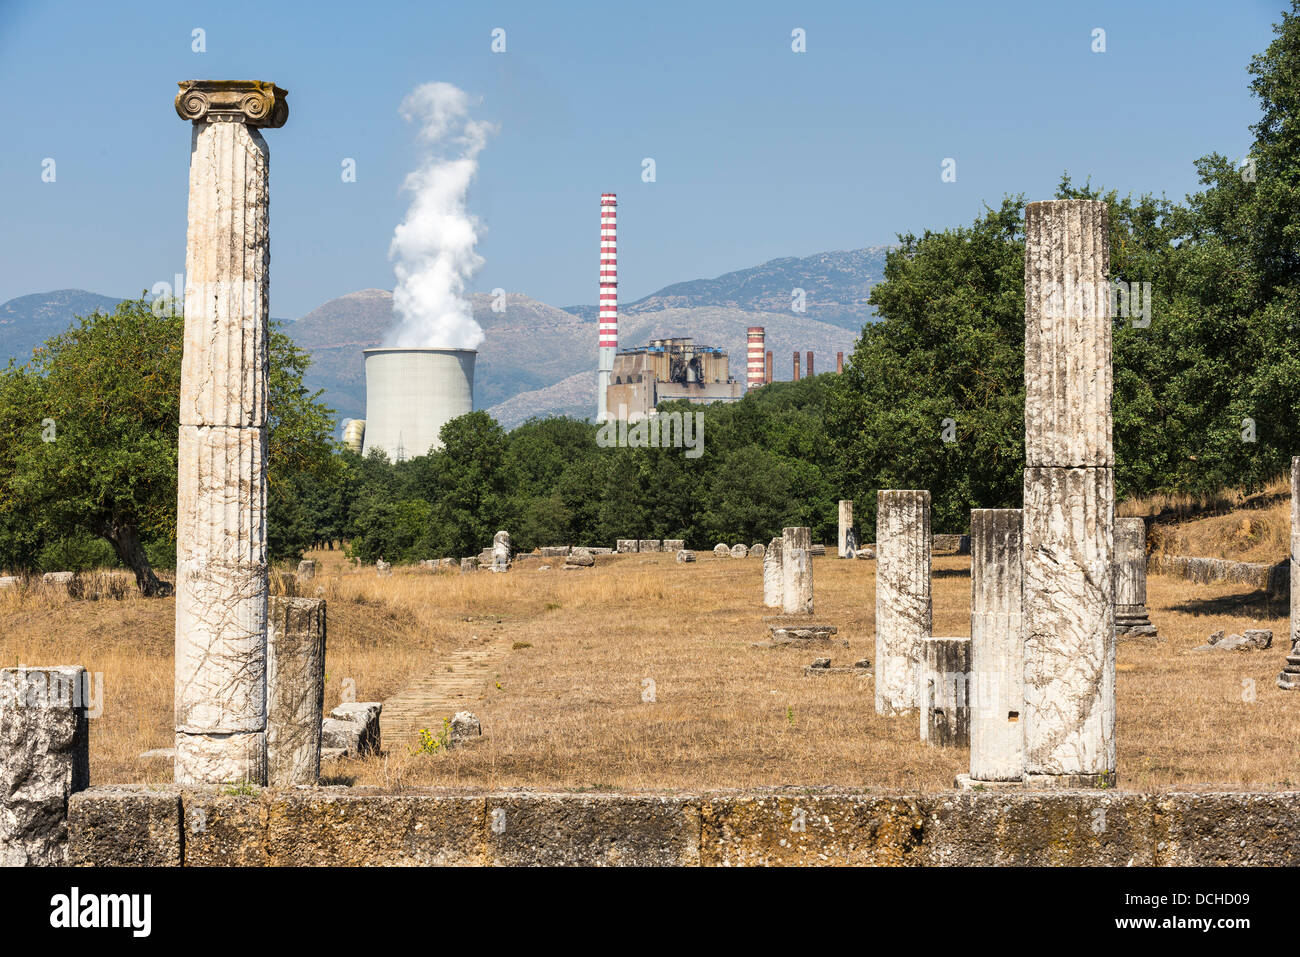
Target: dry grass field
[{"x": 564, "y": 706}]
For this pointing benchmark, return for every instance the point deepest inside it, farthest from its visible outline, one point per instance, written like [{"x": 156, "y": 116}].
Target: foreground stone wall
[{"x": 795, "y": 826}]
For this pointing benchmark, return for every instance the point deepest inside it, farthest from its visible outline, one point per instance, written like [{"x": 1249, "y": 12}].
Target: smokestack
[
  {"x": 754, "y": 359},
  {"x": 767, "y": 377},
  {"x": 839, "y": 362},
  {"x": 810, "y": 364},
  {"x": 607, "y": 331},
  {"x": 796, "y": 365}
]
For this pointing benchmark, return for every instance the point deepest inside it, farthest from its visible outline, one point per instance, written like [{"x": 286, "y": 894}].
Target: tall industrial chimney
[
  {"x": 767, "y": 377},
  {"x": 810, "y": 364},
  {"x": 796, "y": 365},
  {"x": 839, "y": 362},
  {"x": 607, "y": 331},
  {"x": 754, "y": 360}
]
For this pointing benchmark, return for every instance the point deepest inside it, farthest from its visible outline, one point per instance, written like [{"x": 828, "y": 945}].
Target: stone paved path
[{"x": 441, "y": 693}]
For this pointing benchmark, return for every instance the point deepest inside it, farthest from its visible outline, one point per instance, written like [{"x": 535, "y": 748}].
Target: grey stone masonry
[
  {"x": 44, "y": 760},
  {"x": 903, "y": 605},
  {"x": 1069, "y": 500},
  {"x": 295, "y": 690},
  {"x": 221, "y": 556},
  {"x": 1131, "y": 617},
  {"x": 997, "y": 652}
]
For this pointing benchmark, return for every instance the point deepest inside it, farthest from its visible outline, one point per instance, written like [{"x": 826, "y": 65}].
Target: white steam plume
[{"x": 433, "y": 248}]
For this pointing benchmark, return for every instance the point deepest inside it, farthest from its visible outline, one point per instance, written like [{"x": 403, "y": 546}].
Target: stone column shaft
[
  {"x": 1131, "y": 617},
  {"x": 1295, "y": 550},
  {"x": 295, "y": 690},
  {"x": 997, "y": 687},
  {"x": 1069, "y": 503},
  {"x": 772, "y": 574},
  {"x": 796, "y": 571},
  {"x": 221, "y": 559},
  {"x": 903, "y": 607},
  {"x": 44, "y": 760},
  {"x": 846, "y": 523},
  {"x": 945, "y": 692}
]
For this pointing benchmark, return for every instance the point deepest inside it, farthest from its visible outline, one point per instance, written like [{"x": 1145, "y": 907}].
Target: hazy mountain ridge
[{"x": 537, "y": 359}]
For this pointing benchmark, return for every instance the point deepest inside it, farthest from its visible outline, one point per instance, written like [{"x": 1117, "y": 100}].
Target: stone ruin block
[
  {"x": 649, "y": 545},
  {"x": 721, "y": 550},
  {"x": 468, "y": 565},
  {"x": 685, "y": 555},
  {"x": 674, "y": 544},
  {"x": 306, "y": 570},
  {"x": 796, "y": 571},
  {"x": 354, "y": 727},
  {"x": 772, "y": 574},
  {"x": 1131, "y": 618},
  {"x": 739, "y": 551},
  {"x": 626, "y": 546},
  {"x": 44, "y": 760},
  {"x": 756, "y": 550},
  {"x": 579, "y": 558}
]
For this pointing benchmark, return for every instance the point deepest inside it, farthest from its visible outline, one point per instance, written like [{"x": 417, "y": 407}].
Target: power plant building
[
  {"x": 666, "y": 370},
  {"x": 411, "y": 394}
]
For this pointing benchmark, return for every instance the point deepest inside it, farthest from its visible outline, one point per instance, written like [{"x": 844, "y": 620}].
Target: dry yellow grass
[{"x": 565, "y": 709}]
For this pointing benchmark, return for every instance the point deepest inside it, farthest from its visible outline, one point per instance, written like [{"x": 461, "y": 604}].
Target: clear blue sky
[{"x": 760, "y": 152}]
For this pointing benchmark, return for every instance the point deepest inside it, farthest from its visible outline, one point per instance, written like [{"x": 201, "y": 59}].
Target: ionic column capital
[{"x": 251, "y": 102}]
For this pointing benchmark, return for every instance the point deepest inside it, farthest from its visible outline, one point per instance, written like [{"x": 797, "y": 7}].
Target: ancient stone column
[
  {"x": 306, "y": 570},
  {"x": 846, "y": 526},
  {"x": 1295, "y": 550},
  {"x": 772, "y": 574},
  {"x": 1069, "y": 500},
  {"x": 903, "y": 608},
  {"x": 221, "y": 563},
  {"x": 1131, "y": 617},
  {"x": 44, "y": 760},
  {"x": 945, "y": 692},
  {"x": 997, "y": 652},
  {"x": 796, "y": 571},
  {"x": 295, "y": 689}
]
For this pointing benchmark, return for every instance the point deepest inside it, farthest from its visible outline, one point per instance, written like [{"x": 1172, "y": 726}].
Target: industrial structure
[
  {"x": 354, "y": 433},
  {"x": 665, "y": 370},
  {"x": 607, "y": 331},
  {"x": 411, "y": 394},
  {"x": 754, "y": 371}
]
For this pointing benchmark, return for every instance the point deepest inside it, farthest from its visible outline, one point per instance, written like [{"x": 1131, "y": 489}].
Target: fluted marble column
[
  {"x": 796, "y": 571},
  {"x": 295, "y": 689},
  {"x": 904, "y": 612},
  {"x": 1069, "y": 501},
  {"x": 997, "y": 739},
  {"x": 221, "y": 559}
]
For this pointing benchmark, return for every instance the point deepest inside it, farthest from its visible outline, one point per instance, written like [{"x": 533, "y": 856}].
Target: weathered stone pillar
[
  {"x": 295, "y": 689},
  {"x": 997, "y": 652},
  {"x": 903, "y": 608},
  {"x": 796, "y": 571},
  {"x": 772, "y": 574},
  {"x": 1131, "y": 617},
  {"x": 44, "y": 760},
  {"x": 945, "y": 692},
  {"x": 1069, "y": 500},
  {"x": 306, "y": 570},
  {"x": 846, "y": 526},
  {"x": 221, "y": 565},
  {"x": 1295, "y": 550}
]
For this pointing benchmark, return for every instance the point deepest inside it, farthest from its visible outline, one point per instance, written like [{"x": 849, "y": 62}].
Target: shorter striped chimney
[{"x": 754, "y": 358}]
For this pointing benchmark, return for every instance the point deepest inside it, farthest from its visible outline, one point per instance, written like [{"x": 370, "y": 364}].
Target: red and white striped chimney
[
  {"x": 607, "y": 331},
  {"x": 754, "y": 358}
]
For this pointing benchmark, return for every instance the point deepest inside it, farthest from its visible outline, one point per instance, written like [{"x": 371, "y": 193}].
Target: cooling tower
[
  {"x": 354, "y": 431},
  {"x": 411, "y": 394}
]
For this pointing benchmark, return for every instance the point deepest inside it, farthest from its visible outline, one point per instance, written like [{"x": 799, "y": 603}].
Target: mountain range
[{"x": 537, "y": 359}]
